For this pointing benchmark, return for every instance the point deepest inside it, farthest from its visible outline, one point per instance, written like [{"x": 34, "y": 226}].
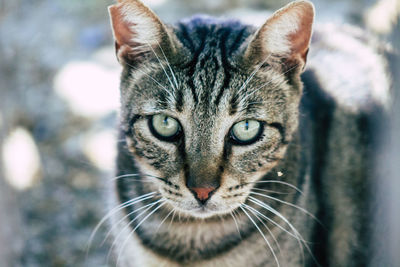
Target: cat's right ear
[{"x": 138, "y": 32}]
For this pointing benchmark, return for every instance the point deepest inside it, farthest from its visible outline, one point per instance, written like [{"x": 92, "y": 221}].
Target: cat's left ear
[
  {"x": 286, "y": 36},
  {"x": 139, "y": 32}
]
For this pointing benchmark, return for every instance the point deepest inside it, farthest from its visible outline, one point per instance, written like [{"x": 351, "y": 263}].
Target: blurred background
[{"x": 58, "y": 117}]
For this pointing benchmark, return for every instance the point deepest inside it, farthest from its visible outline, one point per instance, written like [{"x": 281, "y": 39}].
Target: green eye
[
  {"x": 164, "y": 127},
  {"x": 246, "y": 131}
]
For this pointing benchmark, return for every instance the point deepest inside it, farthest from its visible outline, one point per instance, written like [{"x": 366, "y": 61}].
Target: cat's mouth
[
  {"x": 206, "y": 210},
  {"x": 197, "y": 203},
  {"x": 202, "y": 212}
]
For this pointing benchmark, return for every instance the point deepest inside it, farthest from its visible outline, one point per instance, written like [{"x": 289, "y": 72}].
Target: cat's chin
[{"x": 202, "y": 211}]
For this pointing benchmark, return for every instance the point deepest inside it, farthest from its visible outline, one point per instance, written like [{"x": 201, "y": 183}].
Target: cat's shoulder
[{"x": 349, "y": 66}]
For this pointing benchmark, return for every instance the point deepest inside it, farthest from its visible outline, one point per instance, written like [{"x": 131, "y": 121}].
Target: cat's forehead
[
  {"x": 204, "y": 95},
  {"x": 211, "y": 81}
]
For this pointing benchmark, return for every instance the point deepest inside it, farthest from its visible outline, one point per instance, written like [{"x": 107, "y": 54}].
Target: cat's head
[{"x": 209, "y": 106}]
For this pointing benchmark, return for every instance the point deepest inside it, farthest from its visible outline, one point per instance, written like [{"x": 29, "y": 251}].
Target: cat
[{"x": 236, "y": 154}]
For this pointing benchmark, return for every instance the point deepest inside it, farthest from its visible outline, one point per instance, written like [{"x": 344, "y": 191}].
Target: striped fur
[{"x": 314, "y": 150}]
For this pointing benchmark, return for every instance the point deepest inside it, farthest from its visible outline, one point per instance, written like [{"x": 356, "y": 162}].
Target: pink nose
[{"x": 203, "y": 193}]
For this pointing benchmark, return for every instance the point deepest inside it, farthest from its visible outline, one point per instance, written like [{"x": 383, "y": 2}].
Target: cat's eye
[
  {"x": 246, "y": 131},
  {"x": 164, "y": 127}
]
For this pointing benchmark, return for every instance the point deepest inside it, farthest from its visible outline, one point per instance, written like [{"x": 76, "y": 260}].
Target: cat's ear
[
  {"x": 286, "y": 35},
  {"x": 139, "y": 32}
]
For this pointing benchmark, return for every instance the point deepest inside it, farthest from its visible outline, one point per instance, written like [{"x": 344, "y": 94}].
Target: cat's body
[{"x": 314, "y": 150}]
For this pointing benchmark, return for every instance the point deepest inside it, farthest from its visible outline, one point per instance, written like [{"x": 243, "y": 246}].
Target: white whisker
[
  {"x": 281, "y": 75},
  {"x": 113, "y": 211},
  {"x": 169, "y": 65},
  {"x": 272, "y": 210},
  {"x": 136, "y": 175},
  {"x": 154, "y": 80},
  {"x": 271, "y": 191},
  {"x": 172, "y": 219},
  {"x": 262, "y": 234},
  {"x": 280, "y": 182},
  {"x": 165, "y": 72},
  {"x": 287, "y": 203},
  {"x": 126, "y": 216},
  {"x": 236, "y": 223},
  {"x": 271, "y": 221},
  {"x": 243, "y": 100},
  {"x": 263, "y": 223},
  {"x": 130, "y": 222},
  {"x": 169, "y": 213},
  {"x": 134, "y": 229},
  {"x": 252, "y": 74}
]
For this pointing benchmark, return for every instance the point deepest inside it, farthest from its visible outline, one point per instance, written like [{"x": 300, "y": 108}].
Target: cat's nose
[{"x": 202, "y": 194}]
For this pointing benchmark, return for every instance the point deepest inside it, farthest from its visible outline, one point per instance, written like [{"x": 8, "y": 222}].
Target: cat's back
[
  {"x": 346, "y": 95},
  {"x": 350, "y": 67}
]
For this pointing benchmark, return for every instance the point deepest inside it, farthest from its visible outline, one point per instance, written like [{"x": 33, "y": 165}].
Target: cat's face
[{"x": 205, "y": 107}]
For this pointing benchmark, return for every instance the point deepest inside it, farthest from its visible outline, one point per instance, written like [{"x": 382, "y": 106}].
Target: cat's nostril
[{"x": 202, "y": 194}]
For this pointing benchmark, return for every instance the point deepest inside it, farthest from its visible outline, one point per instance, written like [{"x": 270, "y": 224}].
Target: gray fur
[{"x": 318, "y": 141}]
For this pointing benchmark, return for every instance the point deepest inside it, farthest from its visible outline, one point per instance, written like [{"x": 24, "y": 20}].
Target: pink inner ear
[
  {"x": 300, "y": 39},
  {"x": 123, "y": 32}
]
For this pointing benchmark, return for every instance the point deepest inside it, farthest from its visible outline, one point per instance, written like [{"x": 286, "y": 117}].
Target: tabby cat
[{"x": 233, "y": 153}]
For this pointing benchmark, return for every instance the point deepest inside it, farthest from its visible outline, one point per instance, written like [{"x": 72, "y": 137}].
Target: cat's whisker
[
  {"x": 148, "y": 75},
  {"x": 287, "y": 203},
  {"x": 296, "y": 233},
  {"x": 169, "y": 65},
  {"x": 243, "y": 100},
  {"x": 278, "y": 182},
  {"x": 165, "y": 72},
  {"x": 271, "y": 191},
  {"x": 262, "y": 234},
  {"x": 126, "y": 216},
  {"x": 113, "y": 211},
  {"x": 297, "y": 237},
  {"x": 247, "y": 96},
  {"x": 166, "y": 217},
  {"x": 172, "y": 219},
  {"x": 154, "y": 80},
  {"x": 272, "y": 210},
  {"x": 266, "y": 227},
  {"x": 136, "y": 227},
  {"x": 236, "y": 223},
  {"x": 126, "y": 175},
  {"x": 253, "y": 73},
  {"x": 279, "y": 77},
  {"x": 142, "y": 181},
  {"x": 271, "y": 221},
  {"x": 114, "y": 243},
  {"x": 132, "y": 175}
]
